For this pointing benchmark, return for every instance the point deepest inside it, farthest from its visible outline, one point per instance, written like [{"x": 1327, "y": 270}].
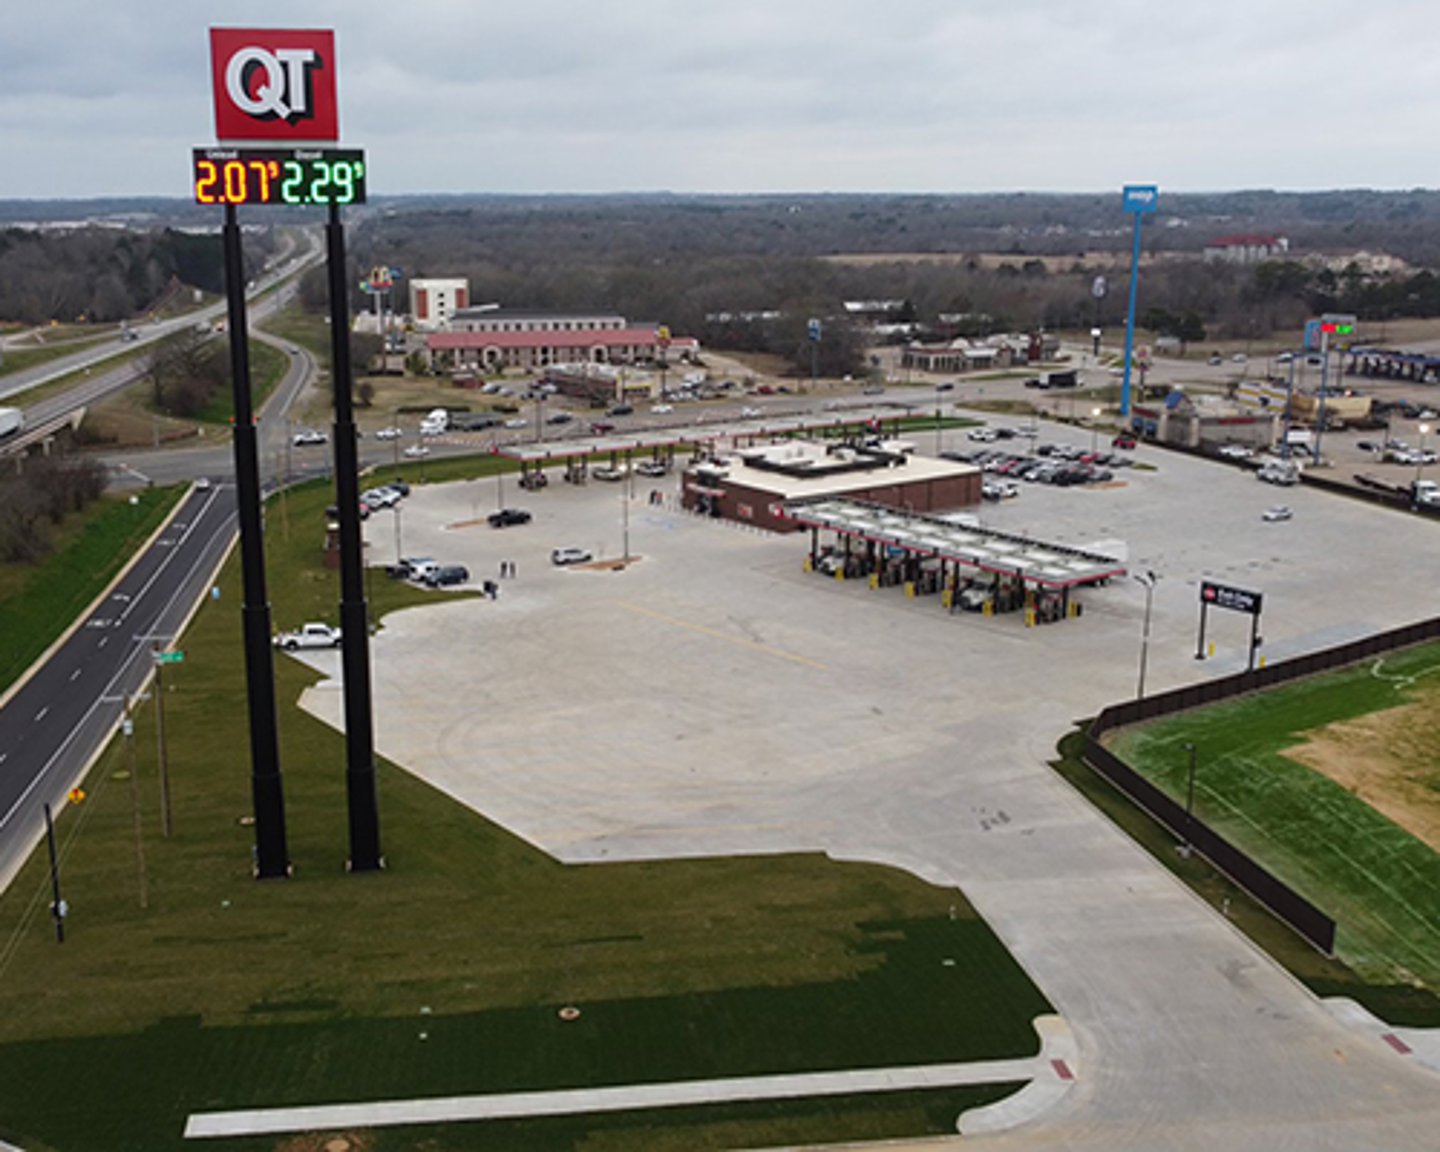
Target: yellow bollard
[
  {"x": 947, "y": 599},
  {"x": 1029, "y": 617},
  {"x": 874, "y": 580},
  {"x": 910, "y": 589}
]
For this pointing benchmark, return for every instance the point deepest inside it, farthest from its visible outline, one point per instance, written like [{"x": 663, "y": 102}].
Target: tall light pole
[
  {"x": 1147, "y": 580},
  {"x": 1424, "y": 430},
  {"x": 1094, "y": 430}
]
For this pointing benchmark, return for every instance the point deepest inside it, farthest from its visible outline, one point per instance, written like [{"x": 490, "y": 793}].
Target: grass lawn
[
  {"x": 1380, "y": 882},
  {"x": 22, "y": 358},
  {"x": 37, "y": 603},
  {"x": 224, "y": 992}
]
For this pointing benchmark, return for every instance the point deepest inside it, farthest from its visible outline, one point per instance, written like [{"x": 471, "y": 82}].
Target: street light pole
[
  {"x": 1094, "y": 430},
  {"x": 1147, "y": 580},
  {"x": 1423, "y": 429}
]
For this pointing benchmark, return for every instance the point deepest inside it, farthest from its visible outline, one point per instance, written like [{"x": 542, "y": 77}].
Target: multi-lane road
[{"x": 54, "y": 722}]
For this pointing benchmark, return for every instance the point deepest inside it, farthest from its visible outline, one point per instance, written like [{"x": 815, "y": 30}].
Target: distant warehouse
[{"x": 752, "y": 485}]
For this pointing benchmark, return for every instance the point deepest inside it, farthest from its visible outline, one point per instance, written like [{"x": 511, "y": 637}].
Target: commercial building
[
  {"x": 494, "y": 339},
  {"x": 433, "y": 302},
  {"x": 751, "y": 485}
]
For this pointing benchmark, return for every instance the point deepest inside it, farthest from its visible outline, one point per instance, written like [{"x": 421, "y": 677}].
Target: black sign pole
[
  {"x": 1200, "y": 639},
  {"x": 1254, "y": 639},
  {"x": 354, "y": 612},
  {"x": 271, "y": 854}
]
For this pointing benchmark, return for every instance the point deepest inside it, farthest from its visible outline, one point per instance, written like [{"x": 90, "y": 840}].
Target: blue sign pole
[{"x": 1140, "y": 200}]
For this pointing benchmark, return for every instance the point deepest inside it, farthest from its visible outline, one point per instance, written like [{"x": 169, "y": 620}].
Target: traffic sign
[{"x": 174, "y": 656}]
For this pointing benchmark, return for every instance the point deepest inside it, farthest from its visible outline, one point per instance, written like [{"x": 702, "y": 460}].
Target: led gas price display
[{"x": 297, "y": 176}]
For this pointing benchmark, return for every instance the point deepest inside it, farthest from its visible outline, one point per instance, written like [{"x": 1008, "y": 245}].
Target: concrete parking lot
[{"x": 712, "y": 698}]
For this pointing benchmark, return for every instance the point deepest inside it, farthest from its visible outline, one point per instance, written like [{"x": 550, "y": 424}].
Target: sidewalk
[{"x": 1048, "y": 1074}]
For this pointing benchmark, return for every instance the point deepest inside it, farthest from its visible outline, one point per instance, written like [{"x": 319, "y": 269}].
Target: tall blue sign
[{"x": 1140, "y": 200}]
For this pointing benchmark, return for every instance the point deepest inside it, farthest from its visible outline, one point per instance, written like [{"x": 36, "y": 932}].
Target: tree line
[
  {"x": 31, "y": 503},
  {"x": 105, "y": 275}
]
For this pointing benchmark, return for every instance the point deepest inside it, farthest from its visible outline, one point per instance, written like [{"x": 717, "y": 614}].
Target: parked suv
[
  {"x": 508, "y": 516},
  {"x": 447, "y": 574}
]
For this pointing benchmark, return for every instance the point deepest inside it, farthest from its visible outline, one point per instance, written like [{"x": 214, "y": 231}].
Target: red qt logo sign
[{"x": 274, "y": 84}]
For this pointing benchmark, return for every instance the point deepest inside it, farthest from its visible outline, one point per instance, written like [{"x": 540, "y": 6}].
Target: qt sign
[{"x": 274, "y": 84}]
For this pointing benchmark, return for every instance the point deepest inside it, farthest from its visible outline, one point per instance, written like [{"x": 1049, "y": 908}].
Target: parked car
[
  {"x": 1277, "y": 512},
  {"x": 534, "y": 481},
  {"x": 1123, "y": 440},
  {"x": 508, "y": 516},
  {"x": 309, "y": 636},
  {"x": 607, "y": 473},
  {"x": 981, "y": 435},
  {"x": 564, "y": 556},
  {"x": 444, "y": 574},
  {"x": 652, "y": 468},
  {"x": 412, "y": 567}
]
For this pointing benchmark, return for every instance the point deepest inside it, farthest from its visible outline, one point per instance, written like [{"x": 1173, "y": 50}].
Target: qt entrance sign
[
  {"x": 1227, "y": 596},
  {"x": 274, "y": 84}
]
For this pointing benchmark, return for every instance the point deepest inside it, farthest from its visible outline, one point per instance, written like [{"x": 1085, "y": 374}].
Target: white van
[{"x": 435, "y": 422}]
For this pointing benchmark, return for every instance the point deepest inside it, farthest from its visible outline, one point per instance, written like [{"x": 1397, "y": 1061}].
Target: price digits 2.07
[{"x": 271, "y": 181}]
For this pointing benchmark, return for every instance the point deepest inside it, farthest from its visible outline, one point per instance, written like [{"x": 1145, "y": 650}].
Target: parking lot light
[
  {"x": 1147, "y": 580},
  {"x": 1423, "y": 429},
  {"x": 1094, "y": 430}
]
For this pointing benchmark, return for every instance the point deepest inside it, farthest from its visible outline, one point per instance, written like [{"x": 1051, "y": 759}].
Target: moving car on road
[
  {"x": 1277, "y": 512},
  {"x": 564, "y": 556},
  {"x": 308, "y": 436}
]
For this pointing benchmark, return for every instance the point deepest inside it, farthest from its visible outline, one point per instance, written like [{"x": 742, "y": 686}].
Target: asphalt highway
[{"x": 54, "y": 722}]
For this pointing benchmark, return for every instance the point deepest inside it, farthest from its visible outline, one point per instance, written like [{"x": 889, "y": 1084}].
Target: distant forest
[
  {"x": 103, "y": 274},
  {"x": 684, "y": 260}
]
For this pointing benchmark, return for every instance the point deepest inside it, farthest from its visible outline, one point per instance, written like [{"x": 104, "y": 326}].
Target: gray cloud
[{"x": 918, "y": 95}]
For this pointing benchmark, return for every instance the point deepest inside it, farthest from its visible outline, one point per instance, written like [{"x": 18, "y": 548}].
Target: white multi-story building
[{"x": 433, "y": 302}]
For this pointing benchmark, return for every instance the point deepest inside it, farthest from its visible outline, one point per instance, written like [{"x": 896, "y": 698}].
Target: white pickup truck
[{"x": 309, "y": 636}]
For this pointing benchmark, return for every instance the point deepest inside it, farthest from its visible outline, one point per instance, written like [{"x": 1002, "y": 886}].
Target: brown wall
[{"x": 752, "y": 505}]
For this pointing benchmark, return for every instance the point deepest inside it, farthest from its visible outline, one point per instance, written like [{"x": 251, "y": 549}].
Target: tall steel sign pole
[
  {"x": 1140, "y": 200},
  {"x": 267, "y": 792},
  {"x": 277, "y": 87},
  {"x": 360, "y": 792}
]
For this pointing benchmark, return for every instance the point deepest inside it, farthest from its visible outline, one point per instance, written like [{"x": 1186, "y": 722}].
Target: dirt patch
[
  {"x": 327, "y": 1142},
  {"x": 1386, "y": 759}
]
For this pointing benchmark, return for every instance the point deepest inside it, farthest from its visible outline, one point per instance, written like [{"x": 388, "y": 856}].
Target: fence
[{"x": 1282, "y": 900}]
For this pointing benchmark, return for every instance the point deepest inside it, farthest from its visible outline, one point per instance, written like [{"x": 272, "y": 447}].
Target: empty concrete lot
[{"x": 712, "y": 698}]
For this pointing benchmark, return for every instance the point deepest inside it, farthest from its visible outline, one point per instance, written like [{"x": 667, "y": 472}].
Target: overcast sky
[{"x": 106, "y": 97}]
